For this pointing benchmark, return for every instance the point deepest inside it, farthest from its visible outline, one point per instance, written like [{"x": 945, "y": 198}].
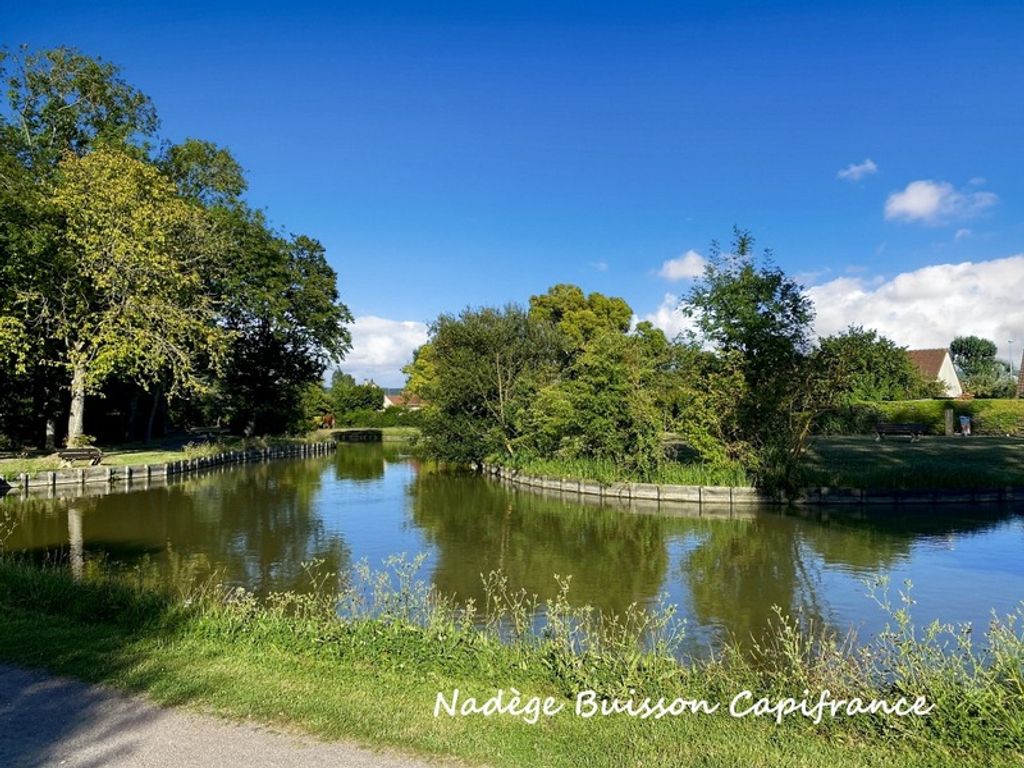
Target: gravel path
[{"x": 52, "y": 721}]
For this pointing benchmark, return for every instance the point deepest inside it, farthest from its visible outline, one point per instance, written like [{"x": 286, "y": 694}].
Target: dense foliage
[
  {"x": 345, "y": 395},
  {"x": 136, "y": 278},
  {"x": 981, "y": 374},
  {"x": 572, "y": 381},
  {"x": 874, "y": 367}
]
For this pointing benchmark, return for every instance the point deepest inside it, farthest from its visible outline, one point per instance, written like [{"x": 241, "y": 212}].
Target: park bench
[
  {"x": 207, "y": 433},
  {"x": 913, "y": 430},
  {"x": 69, "y": 456}
]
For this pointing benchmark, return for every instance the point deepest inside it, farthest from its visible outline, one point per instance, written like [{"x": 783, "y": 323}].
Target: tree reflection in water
[
  {"x": 257, "y": 525},
  {"x": 254, "y": 527},
  {"x": 477, "y": 526}
]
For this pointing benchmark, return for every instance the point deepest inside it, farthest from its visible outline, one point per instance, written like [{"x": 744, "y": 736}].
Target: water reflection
[
  {"x": 477, "y": 527},
  {"x": 255, "y": 525}
]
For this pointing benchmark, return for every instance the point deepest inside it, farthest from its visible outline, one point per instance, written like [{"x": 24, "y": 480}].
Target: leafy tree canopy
[
  {"x": 981, "y": 373},
  {"x": 204, "y": 172},
  {"x": 872, "y": 367},
  {"x": 132, "y": 301},
  {"x": 577, "y": 317},
  {"x": 60, "y": 100},
  {"x": 346, "y": 395},
  {"x": 746, "y": 305}
]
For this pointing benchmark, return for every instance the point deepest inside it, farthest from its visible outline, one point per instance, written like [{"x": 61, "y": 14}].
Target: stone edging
[
  {"x": 128, "y": 473},
  {"x": 727, "y": 496}
]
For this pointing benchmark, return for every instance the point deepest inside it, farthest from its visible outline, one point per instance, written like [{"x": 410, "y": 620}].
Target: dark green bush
[{"x": 390, "y": 417}]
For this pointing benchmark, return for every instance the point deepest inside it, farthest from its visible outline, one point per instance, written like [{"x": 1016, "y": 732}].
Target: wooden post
[
  {"x": 949, "y": 422},
  {"x": 76, "y": 543}
]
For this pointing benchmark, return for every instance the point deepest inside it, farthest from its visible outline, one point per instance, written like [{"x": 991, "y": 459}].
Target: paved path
[{"x": 51, "y": 721}]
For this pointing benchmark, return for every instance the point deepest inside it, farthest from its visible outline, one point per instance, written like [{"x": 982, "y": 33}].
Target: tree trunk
[
  {"x": 131, "y": 430},
  {"x": 76, "y": 421},
  {"x": 158, "y": 394}
]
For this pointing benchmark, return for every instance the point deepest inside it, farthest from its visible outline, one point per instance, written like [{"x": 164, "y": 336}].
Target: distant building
[
  {"x": 937, "y": 364},
  {"x": 403, "y": 400}
]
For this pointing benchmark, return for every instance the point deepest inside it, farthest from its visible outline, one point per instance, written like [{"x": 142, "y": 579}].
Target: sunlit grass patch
[
  {"x": 367, "y": 664},
  {"x": 606, "y": 471}
]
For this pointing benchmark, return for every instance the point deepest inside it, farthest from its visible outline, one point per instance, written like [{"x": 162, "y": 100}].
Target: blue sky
[{"x": 454, "y": 154}]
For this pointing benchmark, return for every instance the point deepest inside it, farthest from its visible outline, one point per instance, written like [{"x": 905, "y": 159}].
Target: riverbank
[
  {"x": 164, "y": 451},
  {"x": 291, "y": 662},
  {"x": 189, "y": 460},
  {"x": 836, "y": 470}
]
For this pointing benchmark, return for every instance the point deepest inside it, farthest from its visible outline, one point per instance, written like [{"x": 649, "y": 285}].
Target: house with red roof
[
  {"x": 403, "y": 400},
  {"x": 937, "y": 364}
]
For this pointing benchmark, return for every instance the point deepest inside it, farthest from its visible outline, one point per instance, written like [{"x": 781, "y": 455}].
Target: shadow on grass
[
  {"x": 84, "y": 630},
  {"x": 934, "y": 462}
]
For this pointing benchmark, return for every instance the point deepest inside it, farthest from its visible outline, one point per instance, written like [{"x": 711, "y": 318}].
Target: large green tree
[
  {"x": 487, "y": 363},
  {"x": 983, "y": 375},
  {"x": 747, "y": 306},
  {"x": 131, "y": 300},
  {"x": 750, "y": 311},
  {"x": 56, "y": 102},
  {"x": 273, "y": 296},
  {"x": 279, "y": 298},
  {"x": 604, "y": 406},
  {"x": 872, "y": 367}
]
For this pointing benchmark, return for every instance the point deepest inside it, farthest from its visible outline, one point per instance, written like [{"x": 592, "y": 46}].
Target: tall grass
[
  {"x": 390, "y": 619},
  {"x": 606, "y": 471}
]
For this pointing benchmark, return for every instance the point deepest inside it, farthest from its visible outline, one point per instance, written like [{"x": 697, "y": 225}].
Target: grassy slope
[
  {"x": 378, "y": 687},
  {"x": 850, "y": 462},
  {"x": 933, "y": 462},
  {"x": 352, "y": 699}
]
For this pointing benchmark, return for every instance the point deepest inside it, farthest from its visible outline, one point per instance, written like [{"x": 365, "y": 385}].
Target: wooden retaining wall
[
  {"x": 132, "y": 473},
  {"x": 721, "y": 496}
]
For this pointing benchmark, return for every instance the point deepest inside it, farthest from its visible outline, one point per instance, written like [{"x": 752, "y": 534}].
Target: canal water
[{"x": 257, "y": 525}]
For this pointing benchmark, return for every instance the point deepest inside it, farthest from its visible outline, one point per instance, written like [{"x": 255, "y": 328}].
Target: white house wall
[{"x": 949, "y": 379}]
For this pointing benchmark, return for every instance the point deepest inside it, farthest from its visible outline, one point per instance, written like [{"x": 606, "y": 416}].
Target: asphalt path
[{"x": 52, "y": 721}]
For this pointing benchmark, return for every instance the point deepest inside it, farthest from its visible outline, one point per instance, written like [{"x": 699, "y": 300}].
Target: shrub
[{"x": 390, "y": 417}]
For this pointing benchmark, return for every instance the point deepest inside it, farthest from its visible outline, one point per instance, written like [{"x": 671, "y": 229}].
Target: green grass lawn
[
  {"x": 158, "y": 452},
  {"x": 376, "y": 682},
  {"x": 933, "y": 462}
]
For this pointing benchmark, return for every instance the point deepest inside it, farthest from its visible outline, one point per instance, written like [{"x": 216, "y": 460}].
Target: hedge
[
  {"x": 988, "y": 417},
  {"x": 389, "y": 417}
]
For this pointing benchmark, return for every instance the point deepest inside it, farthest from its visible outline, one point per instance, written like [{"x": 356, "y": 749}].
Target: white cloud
[
  {"x": 669, "y": 317},
  {"x": 600, "y": 266},
  {"x": 690, "y": 264},
  {"x": 930, "y": 306},
  {"x": 380, "y": 347},
  {"x": 857, "y": 171},
  {"x": 961, "y": 234},
  {"x": 935, "y": 202}
]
